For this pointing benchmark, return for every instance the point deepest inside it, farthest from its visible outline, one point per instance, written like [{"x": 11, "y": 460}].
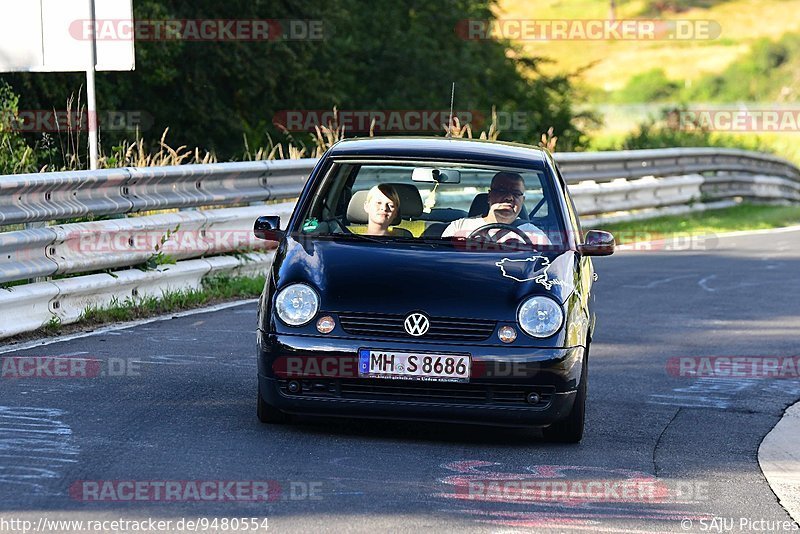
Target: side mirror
[
  {"x": 597, "y": 243},
  {"x": 268, "y": 227}
]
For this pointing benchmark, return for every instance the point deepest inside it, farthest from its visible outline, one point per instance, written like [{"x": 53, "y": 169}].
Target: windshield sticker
[
  {"x": 533, "y": 269},
  {"x": 309, "y": 225}
]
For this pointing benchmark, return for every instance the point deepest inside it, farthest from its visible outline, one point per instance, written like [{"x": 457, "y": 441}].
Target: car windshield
[{"x": 434, "y": 203}]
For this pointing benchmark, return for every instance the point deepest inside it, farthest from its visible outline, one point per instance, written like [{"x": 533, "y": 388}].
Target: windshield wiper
[{"x": 358, "y": 237}]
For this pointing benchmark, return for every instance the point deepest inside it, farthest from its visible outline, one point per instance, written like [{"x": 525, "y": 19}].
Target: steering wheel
[{"x": 483, "y": 232}]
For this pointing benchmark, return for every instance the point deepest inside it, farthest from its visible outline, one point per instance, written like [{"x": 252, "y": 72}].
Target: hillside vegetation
[
  {"x": 610, "y": 65},
  {"x": 769, "y": 72}
]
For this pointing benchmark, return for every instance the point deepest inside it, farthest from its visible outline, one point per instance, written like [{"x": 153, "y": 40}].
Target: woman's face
[{"x": 380, "y": 208}]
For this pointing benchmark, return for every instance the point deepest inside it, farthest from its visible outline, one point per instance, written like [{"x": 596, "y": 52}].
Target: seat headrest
[
  {"x": 355, "y": 209},
  {"x": 410, "y": 204},
  {"x": 480, "y": 207},
  {"x": 410, "y": 200}
]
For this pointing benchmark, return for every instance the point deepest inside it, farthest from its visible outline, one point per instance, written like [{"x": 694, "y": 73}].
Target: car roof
[{"x": 441, "y": 148}]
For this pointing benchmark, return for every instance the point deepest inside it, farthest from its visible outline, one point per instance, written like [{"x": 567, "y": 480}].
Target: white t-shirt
[{"x": 464, "y": 227}]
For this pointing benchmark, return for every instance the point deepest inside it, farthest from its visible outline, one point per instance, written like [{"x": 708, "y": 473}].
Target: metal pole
[{"x": 91, "y": 102}]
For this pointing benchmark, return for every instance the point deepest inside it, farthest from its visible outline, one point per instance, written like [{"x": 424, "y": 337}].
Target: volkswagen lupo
[{"x": 430, "y": 279}]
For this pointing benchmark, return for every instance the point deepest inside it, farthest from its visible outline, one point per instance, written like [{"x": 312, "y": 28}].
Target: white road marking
[
  {"x": 655, "y": 283},
  {"x": 702, "y": 283},
  {"x": 32, "y": 456}
]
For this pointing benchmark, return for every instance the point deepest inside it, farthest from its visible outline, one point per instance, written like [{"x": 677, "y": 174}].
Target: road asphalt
[{"x": 172, "y": 405}]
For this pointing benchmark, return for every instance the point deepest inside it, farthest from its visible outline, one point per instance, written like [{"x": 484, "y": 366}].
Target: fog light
[
  {"x": 533, "y": 398},
  {"x": 326, "y": 324},
  {"x": 507, "y": 334},
  {"x": 294, "y": 386}
]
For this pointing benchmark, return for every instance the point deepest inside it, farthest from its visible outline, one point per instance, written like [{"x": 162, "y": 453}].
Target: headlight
[
  {"x": 296, "y": 304},
  {"x": 540, "y": 316}
]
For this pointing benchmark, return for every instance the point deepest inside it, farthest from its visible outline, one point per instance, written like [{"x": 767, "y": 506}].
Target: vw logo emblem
[{"x": 417, "y": 324}]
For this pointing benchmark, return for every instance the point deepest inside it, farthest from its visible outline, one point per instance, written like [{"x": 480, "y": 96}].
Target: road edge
[
  {"x": 779, "y": 459},
  {"x": 102, "y": 329}
]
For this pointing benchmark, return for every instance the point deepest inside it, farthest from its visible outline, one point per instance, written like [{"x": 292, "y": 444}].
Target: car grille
[
  {"x": 439, "y": 392},
  {"x": 373, "y": 324}
]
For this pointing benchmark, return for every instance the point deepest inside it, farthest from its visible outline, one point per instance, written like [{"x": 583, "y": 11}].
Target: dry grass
[
  {"x": 327, "y": 136},
  {"x": 324, "y": 137},
  {"x": 127, "y": 154},
  {"x": 135, "y": 154},
  {"x": 613, "y": 63},
  {"x": 548, "y": 139},
  {"x": 455, "y": 129}
]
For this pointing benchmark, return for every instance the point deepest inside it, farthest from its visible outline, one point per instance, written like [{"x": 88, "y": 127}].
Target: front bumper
[{"x": 323, "y": 375}]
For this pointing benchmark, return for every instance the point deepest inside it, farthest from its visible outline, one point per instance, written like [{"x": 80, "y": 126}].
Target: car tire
[
  {"x": 268, "y": 413},
  {"x": 570, "y": 429}
]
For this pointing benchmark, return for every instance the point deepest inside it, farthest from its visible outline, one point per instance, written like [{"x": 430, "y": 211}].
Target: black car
[{"x": 437, "y": 279}]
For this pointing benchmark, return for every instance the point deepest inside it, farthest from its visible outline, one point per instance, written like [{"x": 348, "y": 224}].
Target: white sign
[{"x": 56, "y": 36}]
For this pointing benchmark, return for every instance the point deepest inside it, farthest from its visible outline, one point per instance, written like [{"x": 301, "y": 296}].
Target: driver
[{"x": 506, "y": 196}]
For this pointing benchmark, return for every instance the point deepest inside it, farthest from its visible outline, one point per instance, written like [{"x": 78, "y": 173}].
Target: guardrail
[
  {"x": 63, "y": 195},
  {"x": 602, "y": 184}
]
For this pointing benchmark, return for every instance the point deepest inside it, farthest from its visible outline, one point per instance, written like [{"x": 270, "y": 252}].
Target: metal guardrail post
[{"x": 31, "y": 226}]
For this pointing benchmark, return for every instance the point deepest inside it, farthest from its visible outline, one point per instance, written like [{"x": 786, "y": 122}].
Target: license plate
[{"x": 414, "y": 366}]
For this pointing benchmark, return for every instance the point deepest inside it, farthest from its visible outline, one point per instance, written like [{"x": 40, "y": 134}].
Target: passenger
[
  {"x": 506, "y": 197},
  {"x": 383, "y": 209}
]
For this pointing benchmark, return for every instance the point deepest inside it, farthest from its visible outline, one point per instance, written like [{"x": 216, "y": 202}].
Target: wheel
[
  {"x": 268, "y": 413},
  {"x": 570, "y": 429}
]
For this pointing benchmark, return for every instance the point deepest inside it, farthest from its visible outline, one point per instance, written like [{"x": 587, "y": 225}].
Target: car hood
[{"x": 363, "y": 276}]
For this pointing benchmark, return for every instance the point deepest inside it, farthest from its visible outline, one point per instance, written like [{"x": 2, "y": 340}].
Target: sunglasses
[{"x": 504, "y": 192}]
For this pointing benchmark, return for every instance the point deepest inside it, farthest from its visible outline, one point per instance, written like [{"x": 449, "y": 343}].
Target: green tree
[{"x": 381, "y": 55}]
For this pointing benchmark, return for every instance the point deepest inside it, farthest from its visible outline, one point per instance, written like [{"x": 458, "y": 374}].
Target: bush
[
  {"x": 15, "y": 154},
  {"x": 768, "y": 72},
  {"x": 667, "y": 132},
  {"x": 650, "y": 86}
]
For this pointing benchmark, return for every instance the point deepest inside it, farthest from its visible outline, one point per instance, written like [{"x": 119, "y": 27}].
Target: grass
[
  {"x": 215, "y": 289},
  {"x": 743, "y": 217}
]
